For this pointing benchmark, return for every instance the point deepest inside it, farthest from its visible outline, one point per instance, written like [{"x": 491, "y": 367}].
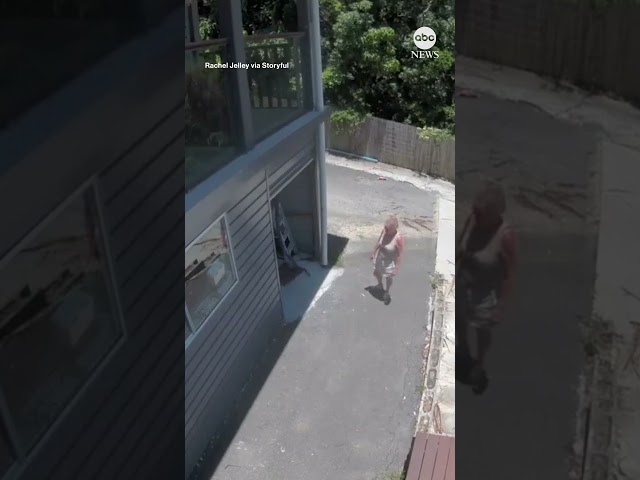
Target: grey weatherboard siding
[
  {"x": 130, "y": 415},
  {"x": 221, "y": 356},
  {"x": 280, "y": 175},
  {"x": 126, "y": 431}
]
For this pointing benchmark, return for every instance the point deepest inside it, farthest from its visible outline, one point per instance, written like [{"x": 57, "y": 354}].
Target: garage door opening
[{"x": 295, "y": 226}]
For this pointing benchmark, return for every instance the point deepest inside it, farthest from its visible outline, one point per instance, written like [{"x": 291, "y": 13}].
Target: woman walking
[
  {"x": 387, "y": 256},
  {"x": 485, "y": 259}
]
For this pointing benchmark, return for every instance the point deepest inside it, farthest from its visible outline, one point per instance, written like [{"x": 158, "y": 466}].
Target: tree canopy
[
  {"x": 367, "y": 60},
  {"x": 369, "y": 69}
]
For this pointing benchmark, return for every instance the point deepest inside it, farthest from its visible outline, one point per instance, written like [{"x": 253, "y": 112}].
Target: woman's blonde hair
[
  {"x": 392, "y": 222},
  {"x": 492, "y": 196}
]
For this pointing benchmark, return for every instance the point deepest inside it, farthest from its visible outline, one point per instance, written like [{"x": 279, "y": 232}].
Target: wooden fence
[
  {"x": 396, "y": 144},
  {"x": 594, "y": 47}
]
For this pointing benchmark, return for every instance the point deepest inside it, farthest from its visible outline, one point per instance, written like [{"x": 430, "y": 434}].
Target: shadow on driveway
[
  {"x": 376, "y": 292},
  {"x": 261, "y": 372}
]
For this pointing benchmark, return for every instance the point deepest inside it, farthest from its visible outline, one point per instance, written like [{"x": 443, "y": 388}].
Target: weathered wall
[
  {"x": 128, "y": 419},
  {"x": 595, "y": 48},
  {"x": 396, "y": 144},
  {"x": 222, "y": 354}
]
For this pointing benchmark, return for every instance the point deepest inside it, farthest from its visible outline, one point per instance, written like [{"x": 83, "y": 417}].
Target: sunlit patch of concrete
[{"x": 301, "y": 294}]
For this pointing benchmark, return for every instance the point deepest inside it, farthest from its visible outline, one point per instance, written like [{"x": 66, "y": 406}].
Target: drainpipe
[{"x": 318, "y": 101}]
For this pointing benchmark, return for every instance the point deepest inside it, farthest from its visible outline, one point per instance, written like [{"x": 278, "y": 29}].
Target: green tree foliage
[
  {"x": 428, "y": 84},
  {"x": 208, "y": 13},
  {"x": 285, "y": 16},
  {"x": 258, "y": 16},
  {"x": 369, "y": 66},
  {"x": 367, "y": 61}
]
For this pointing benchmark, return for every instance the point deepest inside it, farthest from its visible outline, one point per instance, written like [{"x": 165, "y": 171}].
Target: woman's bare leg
[
  {"x": 378, "y": 276},
  {"x": 483, "y": 338},
  {"x": 387, "y": 295}
]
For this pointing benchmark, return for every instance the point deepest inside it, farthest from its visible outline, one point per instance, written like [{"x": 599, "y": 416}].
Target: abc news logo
[{"x": 424, "y": 38}]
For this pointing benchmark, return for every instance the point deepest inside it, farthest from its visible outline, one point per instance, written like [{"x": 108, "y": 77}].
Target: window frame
[
  {"x": 23, "y": 454},
  {"x": 194, "y": 331}
]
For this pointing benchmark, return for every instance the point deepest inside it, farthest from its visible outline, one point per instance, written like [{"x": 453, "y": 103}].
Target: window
[
  {"x": 58, "y": 319},
  {"x": 209, "y": 273},
  {"x": 210, "y": 143},
  {"x": 209, "y": 140}
]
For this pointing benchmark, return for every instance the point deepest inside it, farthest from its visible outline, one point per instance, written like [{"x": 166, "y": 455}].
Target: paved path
[
  {"x": 437, "y": 405},
  {"x": 546, "y": 166},
  {"x": 341, "y": 403},
  {"x": 613, "y": 393}
]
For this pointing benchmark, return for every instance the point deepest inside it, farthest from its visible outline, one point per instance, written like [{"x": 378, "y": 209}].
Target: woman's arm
[
  {"x": 400, "y": 247},
  {"x": 508, "y": 256},
  {"x": 460, "y": 252},
  {"x": 508, "y": 252},
  {"x": 377, "y": 245},
  {"x": 375, "y": 249}
]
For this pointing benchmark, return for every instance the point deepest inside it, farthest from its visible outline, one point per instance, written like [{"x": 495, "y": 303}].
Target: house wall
[
  {"x": 128, "y": 420},
  {"x": 222, "y": 354}
]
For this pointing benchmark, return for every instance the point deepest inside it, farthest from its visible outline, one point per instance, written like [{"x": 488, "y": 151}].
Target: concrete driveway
[
  {"x": 342, "y": 399},
  {"x": 548, "y": 167}
]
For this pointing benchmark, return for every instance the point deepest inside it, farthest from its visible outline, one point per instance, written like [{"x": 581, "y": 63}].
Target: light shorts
[
  {"x": 480, "y": 308},
  {"x": 387, "y": 268}
]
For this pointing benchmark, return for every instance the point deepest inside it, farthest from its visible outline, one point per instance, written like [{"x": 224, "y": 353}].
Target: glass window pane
[
  {"x": 187, "y": 330},
  {"x": 6, "y": 455},
  {"x": 277, "y": 87},
  {"x": 57, "y": 320},
  {"x": 208, "y": 272},
  {"x": 209, "y": 143}
]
